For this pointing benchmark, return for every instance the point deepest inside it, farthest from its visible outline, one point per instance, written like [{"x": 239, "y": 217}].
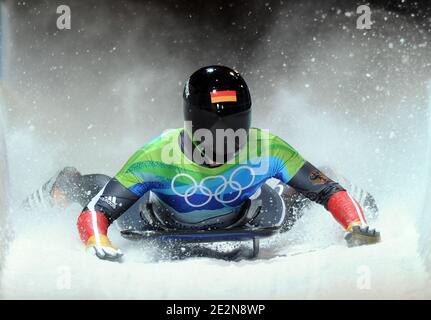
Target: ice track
[{"x": 49, "y": 262}]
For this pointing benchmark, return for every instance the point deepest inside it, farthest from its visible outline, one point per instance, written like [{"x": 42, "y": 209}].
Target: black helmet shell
[{"x": 217, "y": 97}]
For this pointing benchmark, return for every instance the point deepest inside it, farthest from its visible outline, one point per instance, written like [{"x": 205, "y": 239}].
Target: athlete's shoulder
[
  {"x": 162, "y": 139},
  {"x": 156, "y": 144},
  {"x": 264, "y": 135},
  {"x": 153, "y": 149},
  {"x": 276, "y": 147}
]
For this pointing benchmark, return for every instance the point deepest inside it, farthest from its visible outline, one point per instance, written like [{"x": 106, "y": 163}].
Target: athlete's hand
[
  {"x": 361, "y": 235},
  {"x": 103, "y": 248}
]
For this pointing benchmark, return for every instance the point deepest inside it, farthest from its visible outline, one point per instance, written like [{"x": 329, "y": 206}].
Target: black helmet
[{"x": 216, "y": 97}]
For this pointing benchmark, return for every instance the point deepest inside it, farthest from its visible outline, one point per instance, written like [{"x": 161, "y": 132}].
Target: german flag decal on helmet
[{"x": 223, "y": 96}]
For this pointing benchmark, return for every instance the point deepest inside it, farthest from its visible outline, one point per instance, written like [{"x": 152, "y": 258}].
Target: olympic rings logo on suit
[{"x": 218, "y": 192}]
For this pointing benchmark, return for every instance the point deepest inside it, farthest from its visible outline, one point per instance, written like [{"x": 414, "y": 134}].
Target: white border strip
[
  {"x": 358, "y": 211},
  {"x": 90, "y": 207}
]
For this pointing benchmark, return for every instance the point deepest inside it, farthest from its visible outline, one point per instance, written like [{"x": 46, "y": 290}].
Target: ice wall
[
  {"x": 424, "y": 222},
  {"x": 3, "y": 159},
  {"x": 3, "y": 192}
]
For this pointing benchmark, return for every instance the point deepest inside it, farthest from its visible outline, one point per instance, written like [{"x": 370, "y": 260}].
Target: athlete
[{"x": 204, "y": 172}]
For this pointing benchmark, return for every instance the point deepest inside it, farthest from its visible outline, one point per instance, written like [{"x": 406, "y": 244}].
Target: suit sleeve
[
  {"x": 115, "y": 200},
  {"x": 314, "y": 185}
]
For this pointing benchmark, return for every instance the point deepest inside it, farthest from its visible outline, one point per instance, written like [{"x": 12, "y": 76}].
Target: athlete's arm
[
  {"x": 314, "y": 185},
  {"x": 139, "y": 175},
  {"x": 103, "y": 209},
  {"x": 290, "y": 168},
  {"x": 120, "y": 193}
]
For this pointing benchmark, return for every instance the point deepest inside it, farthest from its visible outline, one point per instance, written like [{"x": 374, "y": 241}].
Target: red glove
[
  {"x": 93, "y": 230},
  {"x": 349, "y": 214},
  {"x": 346, "y": 210}
]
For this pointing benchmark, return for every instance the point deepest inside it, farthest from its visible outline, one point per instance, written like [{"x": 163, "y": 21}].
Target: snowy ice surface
[{"x": 48, "y": 261}]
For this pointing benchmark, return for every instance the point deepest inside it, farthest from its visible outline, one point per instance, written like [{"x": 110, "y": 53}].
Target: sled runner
[{"x": 204, "y": 236}]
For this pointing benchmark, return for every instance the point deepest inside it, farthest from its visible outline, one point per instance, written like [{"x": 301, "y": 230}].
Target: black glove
[{"x": 360, "y": 236}]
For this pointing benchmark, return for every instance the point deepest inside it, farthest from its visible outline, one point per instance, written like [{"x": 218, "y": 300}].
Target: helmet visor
[{"x": 219, "y": 138}]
